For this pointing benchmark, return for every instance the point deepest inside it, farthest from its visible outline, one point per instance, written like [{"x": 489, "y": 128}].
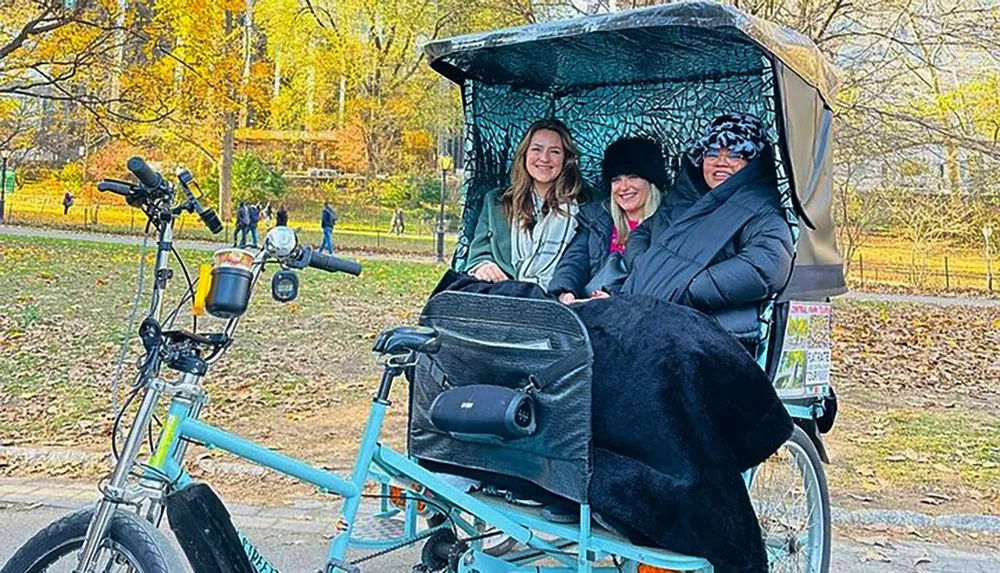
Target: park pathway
[
  {"x": 21, "y": 231},
  {"x": 294, "y": 534},
  {"x": 207, "y": 246}
]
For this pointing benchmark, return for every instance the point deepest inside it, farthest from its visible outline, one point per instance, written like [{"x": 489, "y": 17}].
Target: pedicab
[
  {"x": 664, "y": 73},
  {"x": 661, "y": 72}
]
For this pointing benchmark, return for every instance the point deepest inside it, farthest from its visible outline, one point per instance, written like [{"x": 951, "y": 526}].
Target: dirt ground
[{"x": 919, "y": 385}]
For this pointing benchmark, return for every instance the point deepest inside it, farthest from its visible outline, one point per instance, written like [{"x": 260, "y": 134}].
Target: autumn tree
[
  {"x": 65, "y": 53},
  {"x": 918, "y": 82}
]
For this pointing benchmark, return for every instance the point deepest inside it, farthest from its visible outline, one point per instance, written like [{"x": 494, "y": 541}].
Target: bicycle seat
[{"x": 407, "y": 338}]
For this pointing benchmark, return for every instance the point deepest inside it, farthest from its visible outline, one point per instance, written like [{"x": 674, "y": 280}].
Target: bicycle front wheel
[
  {"x": 790, "y": 495},
  {"x": 131, "y": 545}
]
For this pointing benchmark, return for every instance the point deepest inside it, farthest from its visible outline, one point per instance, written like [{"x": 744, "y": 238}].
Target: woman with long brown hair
[{"x": 524, "y": 230}]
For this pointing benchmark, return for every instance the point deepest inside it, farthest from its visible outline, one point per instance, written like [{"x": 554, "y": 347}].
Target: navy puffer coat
[
  {"x": 587, "y": 252},
  {"x": 725, "y": 254}
]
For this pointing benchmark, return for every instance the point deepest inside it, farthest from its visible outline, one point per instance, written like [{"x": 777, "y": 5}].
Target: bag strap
[{"x": 576, "y": 358}]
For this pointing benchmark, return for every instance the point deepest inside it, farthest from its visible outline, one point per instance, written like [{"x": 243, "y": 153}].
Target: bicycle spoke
[{"x": 788, "y": 505}]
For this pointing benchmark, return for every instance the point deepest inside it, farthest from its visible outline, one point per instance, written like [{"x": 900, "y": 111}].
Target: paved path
[
  {"x": 20, "y": 231},
  {"x": 923, "y": 299},
  {"x": 207, "y": 246},
  {"x": 294, "y": 536}
]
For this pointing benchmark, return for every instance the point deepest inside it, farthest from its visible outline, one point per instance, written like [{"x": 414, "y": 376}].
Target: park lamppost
[
  {"x": 445, "y": 163},
  {"x": 5, "y": 154},
  {"x": 987, "y": 231}
]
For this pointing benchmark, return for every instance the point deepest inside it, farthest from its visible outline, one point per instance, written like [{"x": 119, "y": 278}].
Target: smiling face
[
  {"x": 719, "y": 165},
  {"x": 545, "y": 157},
  {"x": 631, "y": 192}
]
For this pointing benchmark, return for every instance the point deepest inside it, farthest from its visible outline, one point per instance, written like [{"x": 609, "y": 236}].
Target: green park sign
[{"x": 8, "y": 182}]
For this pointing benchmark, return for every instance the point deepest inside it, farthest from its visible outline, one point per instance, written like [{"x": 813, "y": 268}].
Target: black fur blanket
[{"x": 680, "y": 409}]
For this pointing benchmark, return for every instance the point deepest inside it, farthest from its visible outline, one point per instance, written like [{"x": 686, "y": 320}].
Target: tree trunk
[
  {"x": 340, "y": 102},
  {"x": 226, "y": 166},
  {"x": 276, "y": 87},
  {"x": 119, "y": 55},
  {"x": 311, "y": 86},
  {"x": 247, "y": 57}
]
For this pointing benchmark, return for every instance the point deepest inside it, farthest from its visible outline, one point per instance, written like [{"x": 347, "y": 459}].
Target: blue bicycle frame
[{"x": 378, "y": 462}]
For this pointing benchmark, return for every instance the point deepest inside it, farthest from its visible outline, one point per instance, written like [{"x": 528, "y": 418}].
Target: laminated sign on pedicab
[{"x": 804, "y": 370}]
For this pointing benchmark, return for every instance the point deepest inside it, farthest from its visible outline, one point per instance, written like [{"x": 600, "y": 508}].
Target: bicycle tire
[
  {"x": 812, "y": 478},
  {"x": 147, "y": 550}
]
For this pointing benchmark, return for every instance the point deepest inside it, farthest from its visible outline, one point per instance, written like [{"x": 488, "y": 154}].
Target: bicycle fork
[{"x": 114, "y": 492}]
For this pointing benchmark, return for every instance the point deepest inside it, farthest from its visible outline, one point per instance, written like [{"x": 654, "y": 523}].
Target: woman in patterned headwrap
[{"x": 721, "y": 243}]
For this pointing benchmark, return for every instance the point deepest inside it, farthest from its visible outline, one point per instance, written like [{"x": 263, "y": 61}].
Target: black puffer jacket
[
  {"x": 587, "y": 252},
  {"x": 723, "y": 255},
  {"x": 675, "y": 202}
]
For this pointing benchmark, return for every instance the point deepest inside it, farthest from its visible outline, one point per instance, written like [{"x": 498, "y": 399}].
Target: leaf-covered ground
[
  {"x": 920, "y": 417},
  {"x": 298, "y": 376},
  {"x": 919, "y": 426}
]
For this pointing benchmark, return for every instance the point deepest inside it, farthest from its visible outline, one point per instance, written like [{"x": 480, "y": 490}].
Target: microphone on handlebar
[{"x": 206, "y": 214}]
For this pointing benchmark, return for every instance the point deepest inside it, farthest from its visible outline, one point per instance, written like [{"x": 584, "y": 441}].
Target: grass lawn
[
  {"x": 919, "y": 424},
  {"x": 299, "y": 376},
  {"x": 889, "y": 262},
  {"x": 38, "y": 205}
]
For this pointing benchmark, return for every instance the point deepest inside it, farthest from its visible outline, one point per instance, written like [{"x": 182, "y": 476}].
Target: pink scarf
[{"x": 615, "y": 247}]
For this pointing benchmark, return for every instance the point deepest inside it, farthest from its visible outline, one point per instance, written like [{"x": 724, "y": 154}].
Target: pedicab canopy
[{"x": 661, "y": 72}]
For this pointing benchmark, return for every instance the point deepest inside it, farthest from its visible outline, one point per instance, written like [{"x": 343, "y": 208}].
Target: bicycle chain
[
  {"x": 396, "y": 547},
  {"x": 420, "y": 567}
]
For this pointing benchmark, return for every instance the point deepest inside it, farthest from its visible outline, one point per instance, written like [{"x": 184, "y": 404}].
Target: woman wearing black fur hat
[{"x": 634, "y": 170}]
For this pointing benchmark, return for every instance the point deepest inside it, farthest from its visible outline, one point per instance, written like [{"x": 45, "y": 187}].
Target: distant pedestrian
[
  {"x": 398, "y": 222},
  {"x": 253, "y": 219},
  {"x": 282, "y": 216},
  {"x": 67, "y": 202},
  {"x": 242, "y": 225},
  {"x": 267, "y": 216},
  {"x": 329, "y": 219}
]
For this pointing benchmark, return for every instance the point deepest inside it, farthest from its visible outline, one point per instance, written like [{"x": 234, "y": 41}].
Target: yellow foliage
[{"x": 418, "y": 142}]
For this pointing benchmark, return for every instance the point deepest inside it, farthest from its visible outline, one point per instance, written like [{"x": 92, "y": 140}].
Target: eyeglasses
[{"x": 737, "y": 154}]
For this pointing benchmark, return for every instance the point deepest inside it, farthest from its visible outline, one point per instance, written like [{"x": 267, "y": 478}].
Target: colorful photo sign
[{"x": 804, "y": 369}]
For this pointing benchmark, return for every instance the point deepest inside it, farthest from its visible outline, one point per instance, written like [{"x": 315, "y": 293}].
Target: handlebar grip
[
  {"x": 144, "y": 173},
  {"x": 116, "y": 187},
  {"x": 333, "y": 264}
]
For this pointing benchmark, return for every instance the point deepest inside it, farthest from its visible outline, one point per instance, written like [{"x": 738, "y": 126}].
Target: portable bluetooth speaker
[{"x": 484, "y": 410}]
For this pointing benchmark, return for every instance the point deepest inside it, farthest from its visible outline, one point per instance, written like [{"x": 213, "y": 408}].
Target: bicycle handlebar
[
  {"x": 117, "y": 187},
  {"x": 144, "y": 173},
  {"x": 153, "y": 186},
  {"x": 332, "y": 264}
]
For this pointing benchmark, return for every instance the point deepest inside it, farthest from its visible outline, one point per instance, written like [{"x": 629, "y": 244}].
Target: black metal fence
[{"x": 938, "y": 274}]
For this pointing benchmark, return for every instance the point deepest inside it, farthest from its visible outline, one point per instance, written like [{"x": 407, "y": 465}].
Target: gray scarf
[{"x": 536, "y": 254}]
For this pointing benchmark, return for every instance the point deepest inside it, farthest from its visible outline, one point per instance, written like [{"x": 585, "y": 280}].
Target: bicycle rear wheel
[
  {"x": 132, "y": 545},
  {"x": 790, "y": 495}
]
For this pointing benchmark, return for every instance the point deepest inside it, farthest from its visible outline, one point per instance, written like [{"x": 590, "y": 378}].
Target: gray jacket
[{"x": 587, "y": 253}]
